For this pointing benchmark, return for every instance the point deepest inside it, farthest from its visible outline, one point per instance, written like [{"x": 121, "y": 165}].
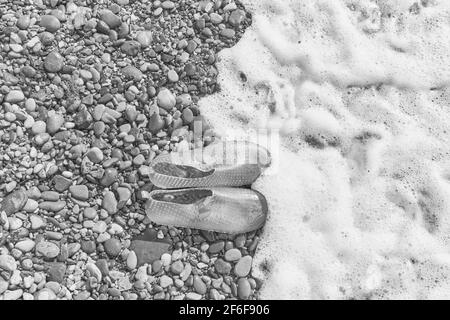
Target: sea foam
[{"x": 358, "y": 90}]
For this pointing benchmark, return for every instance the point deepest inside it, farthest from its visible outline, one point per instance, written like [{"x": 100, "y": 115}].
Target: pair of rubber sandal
[{"x": 200, "y": 188}]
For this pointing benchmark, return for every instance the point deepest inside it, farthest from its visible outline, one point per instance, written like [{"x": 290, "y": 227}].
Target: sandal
[
  {"x": 227, "y": 164},
  {"x": 227, "y": 210}
]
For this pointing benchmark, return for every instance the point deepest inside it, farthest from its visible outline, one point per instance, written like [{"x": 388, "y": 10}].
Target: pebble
[
  {"x": 88, "y": 246},
  {"x": 31, "y": 205},
  {"x": 112, "y": 247},
  {"x": 132, "y": 260},
  {"x": 145, "y": 38},
  {"x": 23, "y": 22},
  {"x": 102, "y": 265},
  {"x": 61, "y": 184},
  {"x": 79, "y": 192},
  {"x": 54, "y": 286},
  {"x": 166, "y": 99},
  {"x": 15, "y": 96},
  {"x": 112, "y": 20},
  {"x": 45, "y": 294},
  {"x": 243, "y": 289},
  {"x": 99, "y": 227},
  {"x": 199, "y": 285},
  {"x": 52, "y": 206},
  {"x": 166, "y": 259},
  {"x": 50, "y": 23},
  {"x": 50, "y": 195},
  {"x": 133, "y": 73},
  {"x": 90, "y": 213},
  {"x": 236, "y": 17},
  {"x": 193, "y": 296},
  {"x": 109, "y": 202},
  {"x": 109, "y": 177},
  {"x": 222, "y": 267},
  {"x": 186, "y": 272},
  {"x": 95, "y": 155},
  {"x": 243, "y": 266},
  {"x": 131, "y": 48},
  {"x": 56, "y": 271},
  {"x": 233, "y": 254},
  {"x": 14, "y": 223},
  {"x": 3, "y": 285},
  {"x": 39, "y": 127},
  {"x": 216, "y": 247},
  {"x": 12, "y": 294},
  {"x": 54, "y": 122},
  {"x": 155, "y": 123},
  {"x": 47, "y": 249},
  {"x": 14, "y": 202},
  {"x": 36, "y": 222},
  {"x": 53, "y": 62},
  {"x": 165, "y": 281},
  {"x": 177, "y": 267},
  {"x": 25, "y": 245},
  {"x": 148, "y": 251},
  {"x": 7, "y": 263},
  {"x": 124, "y": 195},
  {"x": 94, "y": 271},
  {"x": 172, "y": 76}
]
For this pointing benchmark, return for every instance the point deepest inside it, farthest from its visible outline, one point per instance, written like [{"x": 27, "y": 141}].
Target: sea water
[{"x": 357, "y": 92}]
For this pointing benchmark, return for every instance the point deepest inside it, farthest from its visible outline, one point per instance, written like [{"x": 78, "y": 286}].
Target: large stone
[
  {"x": 56, "y": 271},
  {"x": 61, "y": 184},
  {"x": 124, "y": 195},
  {"x": 53, "y": 62},
  {"x": 25, "y": 245},
  {"x": 243, "y": 288},
  {"x": 113, "y": 247},
  {"x": 111, "y": 19},
  {"x": 95, "y": 155},
  {"x": 155, "y": 123},
  {"x": 145, "y": 38},
  {"x": 14, "y": 202},
  {"x": 222, "y": 267},
  {"x": 109, "y": 202},
  {"x": 52, "y": 206},
  {"x": 13, "y": 294},
  {"x": 102, "y": 265},
  {"x": 45, "y": 294},
  {"x": 7, "y": 263},
  {"x": 166, "y": 99},
  {"x": 243, "y": 266},
  {"x": 109, "y": 177},
  {"x": 23, "y": 22},
  {"x": 54, "y": 122},
  {"x": 47, "y": 249},
  {"x": 133, "y": 73},
  {"x": 15, "y": 96},
  {"x": 131, "y": 47},
  {"x": 31, "y": 205},
  {"x": 132, "y": 260},
  {"x": 50, "y": 23},
  {"x": 80, "y": 192},
  {"x": 94, "y": 271},
  {"x": 83, "y": 118},
  {"x": 236, "y": 17},
  {"x": 148, "y": 251}
]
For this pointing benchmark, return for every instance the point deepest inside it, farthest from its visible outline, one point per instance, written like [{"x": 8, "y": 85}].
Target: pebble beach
[
  {"x": 352, "y": 96},
  {"x": 90, "y": 93}
]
